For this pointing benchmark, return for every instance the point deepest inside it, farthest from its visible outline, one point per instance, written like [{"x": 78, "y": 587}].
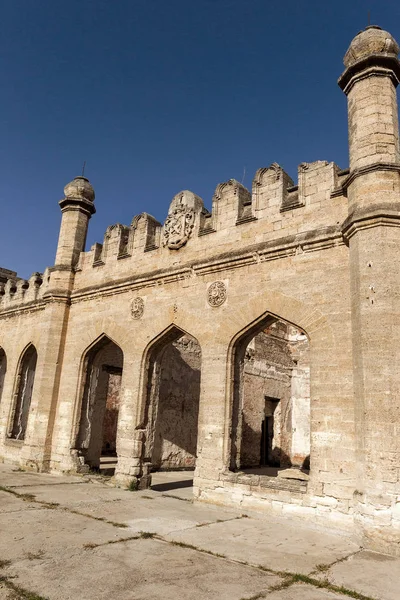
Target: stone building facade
[{"x": 256, "y": 343}]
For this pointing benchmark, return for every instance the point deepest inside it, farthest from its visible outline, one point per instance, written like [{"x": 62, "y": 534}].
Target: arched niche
[{"x": 23, "y": 393}]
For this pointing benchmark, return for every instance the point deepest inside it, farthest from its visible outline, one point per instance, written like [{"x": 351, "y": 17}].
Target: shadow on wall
[
  {"x": 273, "y": 470},
  {"x": 260, "y": 451},
  {"x": 175, "y": 436}
]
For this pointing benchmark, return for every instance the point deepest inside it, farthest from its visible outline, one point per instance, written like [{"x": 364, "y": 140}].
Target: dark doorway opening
[{"x": 269, "y": 456}]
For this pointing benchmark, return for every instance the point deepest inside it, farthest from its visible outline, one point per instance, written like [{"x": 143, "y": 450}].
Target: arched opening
[
  {"x": 3, "y": 369},
  {"x": 270, "y": 429},
  {"x": 172, "y": 409},
  {"x": 96, "y": 440},
  {"x": 23, "y": 393}
]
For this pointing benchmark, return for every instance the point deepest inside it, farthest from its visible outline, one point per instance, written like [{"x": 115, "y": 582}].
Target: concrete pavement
[{"x": 65, "y": 538}]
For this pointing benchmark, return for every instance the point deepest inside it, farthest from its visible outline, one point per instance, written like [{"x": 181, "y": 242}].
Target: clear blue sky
[{"x": 159, "y": 96}]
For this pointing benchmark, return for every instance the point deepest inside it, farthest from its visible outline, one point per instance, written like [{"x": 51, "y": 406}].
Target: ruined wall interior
[
  {"x": 281, "y": 287},
  {"x": 275, "y": 426},
  {"x": 174, "y": 406},
  {"x": 100, "y": 403}
]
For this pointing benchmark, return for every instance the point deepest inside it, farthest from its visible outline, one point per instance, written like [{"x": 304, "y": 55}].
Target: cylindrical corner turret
[
  {"x": 369, "y": 82},
  {"x": 372, "y": 232},
  {"x": 77, "y": 207}
]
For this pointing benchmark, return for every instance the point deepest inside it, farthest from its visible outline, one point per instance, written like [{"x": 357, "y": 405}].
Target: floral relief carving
[
  {"x": 137, "y": 307},
  {"x": 217, "y": 293}
]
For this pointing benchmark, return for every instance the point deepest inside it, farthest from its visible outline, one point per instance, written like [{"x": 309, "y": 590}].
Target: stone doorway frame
[{"x": 87, "y": 356}]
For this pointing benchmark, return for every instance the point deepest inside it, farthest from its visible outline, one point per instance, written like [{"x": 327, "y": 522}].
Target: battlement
[
  {"x": 274, "y": 208},
  {"x": 274, "y": 213},
  {"x": 16, "y": 291},
  {"x": 6, "y": 274}
]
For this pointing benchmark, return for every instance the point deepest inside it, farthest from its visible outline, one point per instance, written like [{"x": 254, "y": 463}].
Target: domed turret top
[
  {"x": 79, "y": 189},
  {"x": 372, "y": 40}
]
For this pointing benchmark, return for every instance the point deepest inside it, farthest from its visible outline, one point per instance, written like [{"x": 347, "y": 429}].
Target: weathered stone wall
[
  {"x": 276, "y": 383},
  {"x": 176, "y": 406},
  {"x": 110, "y": 423},
  {"x": 300, "y": 398},
  {"x": 3, "y": 368},
  {"x": 267, "y": 374}
]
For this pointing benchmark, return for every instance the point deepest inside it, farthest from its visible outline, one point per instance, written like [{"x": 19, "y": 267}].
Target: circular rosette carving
[
  {"x": 217, "y": 293},
  {"x": 137, "y": 308}
]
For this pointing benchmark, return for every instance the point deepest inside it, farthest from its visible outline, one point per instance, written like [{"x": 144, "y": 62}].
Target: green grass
[
  {"x": 133, "y": 485},
  {"x": 325, "y": 584},
  {"x": 147, "y": 535},
  {"x": 23, "y": 594},
  {"x": 25, "y": 497}
]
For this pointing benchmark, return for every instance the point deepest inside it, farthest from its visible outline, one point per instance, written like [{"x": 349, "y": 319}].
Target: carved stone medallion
[
  {"x": 137, "y": 307},
  {"x": 178, "y": 227},
  {"x": 217, "y": 293}
]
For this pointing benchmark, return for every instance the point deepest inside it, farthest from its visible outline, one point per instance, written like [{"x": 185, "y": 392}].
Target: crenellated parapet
[
  {"x": 17, "y": 292},
  {"x": 271, "y": 187},
  {"x": 276, "y": 206},
  {"x": 145, "y": 232},
  {"x": 116, "y": 243}
]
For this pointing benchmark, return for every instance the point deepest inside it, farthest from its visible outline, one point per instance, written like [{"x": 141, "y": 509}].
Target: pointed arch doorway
[
  {"x": 172, "y": 409},
  {"x": 96, "y": 438},
  {"x": 270, "y": 400}
]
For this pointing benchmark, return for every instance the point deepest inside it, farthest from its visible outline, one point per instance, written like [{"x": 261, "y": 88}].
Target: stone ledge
[{"x": 256, "y": 482}]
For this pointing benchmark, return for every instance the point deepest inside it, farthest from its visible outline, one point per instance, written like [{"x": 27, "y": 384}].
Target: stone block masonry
[{"x": 256, "y": 344}]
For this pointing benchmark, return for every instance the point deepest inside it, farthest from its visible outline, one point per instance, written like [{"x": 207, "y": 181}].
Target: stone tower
[
  {"x": 77, "y": 207},
  {"x": 372, "y": 231}
]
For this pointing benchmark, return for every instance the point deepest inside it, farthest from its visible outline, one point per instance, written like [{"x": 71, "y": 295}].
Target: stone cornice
[
  {"x": 12, "y": 311},
  {"x": 61, "y": 267},
  {"x": 379, "y": 166},
  {"x": 77, "y": 204},
  {"x": 380, "y": 65},
  {"x": 312, "y": 241},
  {"x": 385, "y": 214},
  {"x": 59, "y": 295}
]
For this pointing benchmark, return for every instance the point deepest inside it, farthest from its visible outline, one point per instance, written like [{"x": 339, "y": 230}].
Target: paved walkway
[{"x": 78, "y": 538}]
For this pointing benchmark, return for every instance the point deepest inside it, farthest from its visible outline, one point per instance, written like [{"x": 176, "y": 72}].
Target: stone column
[
  {"x": 77, "y": 207},
  {"x": 372, "y": 231},
  {"x": 131, "y": 469},
  {"x": 212, "y": 445}
]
